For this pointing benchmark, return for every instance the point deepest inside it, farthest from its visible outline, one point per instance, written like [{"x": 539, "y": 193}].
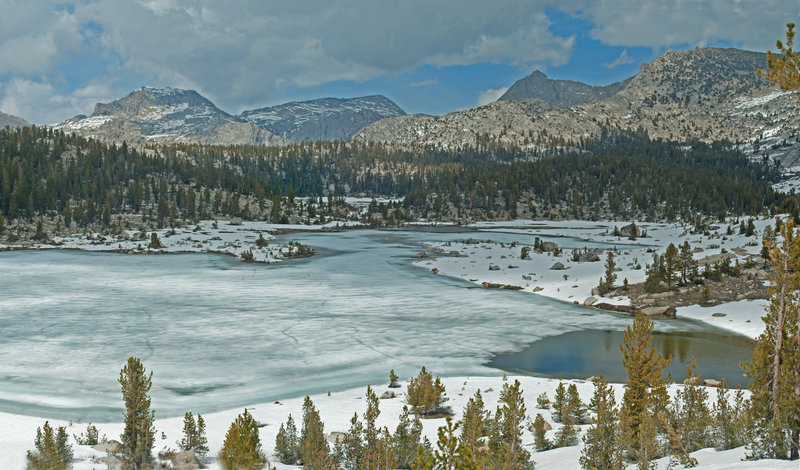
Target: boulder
[
  {"x": 629, "y": 230},
  {"x": 538, "y": 289},
  {"x": 111, "y": 446},
  {"x": 589, "y": 257},
  {"x": 666, "y": 310},
  {"x": 558, "y": 266},
  {"x": 549, "y": 246},
  {"x": 711, "y": 383},
  {"x": 387, "y": 395},
  {"x": 589, "y": 301},
  {"x": 335, "y": 436},
  {"x": 435, "y": 270},
  {"x": 494, "y": 267},
  {"x": 186, "y": 460}
]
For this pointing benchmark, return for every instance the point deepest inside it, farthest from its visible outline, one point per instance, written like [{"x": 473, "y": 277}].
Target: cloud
[
  {"x": 623, "y": 59},
  {"x": 240, "y": 53},
  {"x": 423, "y": 83},
  {"x": 490, "y": 96},
  {"x": 665, "y": 23},
  {"x": 40, "y": 101}
]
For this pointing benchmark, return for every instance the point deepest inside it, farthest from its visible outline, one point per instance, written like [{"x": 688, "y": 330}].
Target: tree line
[{"x": 47, "y": 173}]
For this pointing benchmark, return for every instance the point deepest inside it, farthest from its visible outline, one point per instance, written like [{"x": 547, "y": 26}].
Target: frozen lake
[{"x": 220, "y": 334}]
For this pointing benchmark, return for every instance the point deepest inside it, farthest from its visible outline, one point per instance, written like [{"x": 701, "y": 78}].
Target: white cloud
[
  {"x": 423, "y": 83},
  {"x": 41, "y": 103},
  {"x": 241, "y": 53},
  {"x": 663, "y": 23},
  {"x": 490, "y": 95},
  {"x": 623, "y": 59}
]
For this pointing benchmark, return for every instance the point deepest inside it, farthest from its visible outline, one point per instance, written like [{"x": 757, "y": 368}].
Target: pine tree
[
  {"x": 506, "y": 441},
  {"x": 686, "y": 263},
  {"x": 426, "y": 395},
  {"x": 774, "y": 369},
  {"x": 601, "y": 441},
  {"x": 53, "y": 451},
  {"x": 371, "y": 431},
  {"x": 475, "y": 426},
  {"x": 241, "y": 449},
  {"x": 607, "y": 282},
  {"x": 447, "y": 445},
  {"x": 645, "y": 397},
  {"x": 286, "y": 443},
  {"x": 690, "y": 415},
  {"x": 189, "y": 432},
  {"x": 155, "y": 243},
  {"x": 559, "y": 402},
  {"x": 314, "y": 450},
  {"x": 407, "y": 438},
  {"x": 393, "y": 378},
  {"x": 540, "y": 440},
  {"x": 671, "y": 261},
  {"x": 201, "y": 441},
  {"x": 728, "y": 423},
  {"x": 384, "y": 451},
  {"x": 576, "y": 406},
  {"x": 138, "y": 435},
  {"x": 350, "y": 452},
  {"x": 783, "y": 69},
  {"x": 424, "y": 459}
]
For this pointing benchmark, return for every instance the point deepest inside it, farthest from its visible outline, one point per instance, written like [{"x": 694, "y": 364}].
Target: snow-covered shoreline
[
  {"x": 207, "y": 236},
  {"x": 17, "y": 432},
  {"x": 499, "y": 263}
]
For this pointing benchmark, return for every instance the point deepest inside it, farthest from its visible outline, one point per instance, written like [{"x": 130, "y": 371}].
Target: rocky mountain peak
[
  {"x": 566, "y": 93},
  {"x": 166, "y": 115},
  {"x": 324, "y": 118}
]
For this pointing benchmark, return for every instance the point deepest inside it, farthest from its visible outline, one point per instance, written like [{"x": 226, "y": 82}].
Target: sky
[{"x": 59, "y": 58}]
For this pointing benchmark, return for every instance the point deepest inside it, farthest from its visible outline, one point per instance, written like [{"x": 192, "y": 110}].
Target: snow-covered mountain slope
[
  {"x": 322, "y": 119},
  {"x": 166, "y": 115}
]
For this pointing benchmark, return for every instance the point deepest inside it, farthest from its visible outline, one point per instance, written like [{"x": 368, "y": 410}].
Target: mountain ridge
[
  {"x": 322, "y": 118},
  {"x": 706, "y": 94},
  {"x": 166, "y": 115},
  {"x": 566, "y": 93},
  {"x": 12, "y": 121}
]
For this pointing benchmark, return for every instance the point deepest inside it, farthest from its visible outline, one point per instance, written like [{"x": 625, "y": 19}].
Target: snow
[
  {"x": 747, "y": 102},
  {"x": 91, "y": 122},
  {"x": 575, "y": 283},
  {"x": 210, "y": 236},
  {"x": 336, "y": 409}
]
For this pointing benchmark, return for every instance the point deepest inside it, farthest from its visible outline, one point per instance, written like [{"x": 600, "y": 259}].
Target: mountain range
[
  {"x": 323, "y": 119},
  {"x": 706, "y": 94},
  {"x": 560, "y": 92},
  {"x": 167, "y": 115}
]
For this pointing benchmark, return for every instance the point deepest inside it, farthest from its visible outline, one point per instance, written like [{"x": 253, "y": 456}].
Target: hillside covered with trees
[{"x": 72, "y": 182}]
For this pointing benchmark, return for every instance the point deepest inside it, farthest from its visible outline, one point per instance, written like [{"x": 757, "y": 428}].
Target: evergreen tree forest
[{"x": 45, "y": 173}]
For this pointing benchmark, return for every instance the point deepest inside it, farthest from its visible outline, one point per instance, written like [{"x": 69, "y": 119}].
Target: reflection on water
[{"x": 582, "y": 354}]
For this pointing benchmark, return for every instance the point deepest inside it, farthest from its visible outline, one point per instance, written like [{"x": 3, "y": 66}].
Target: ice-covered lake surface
[{"x": 220, "y": 334}]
